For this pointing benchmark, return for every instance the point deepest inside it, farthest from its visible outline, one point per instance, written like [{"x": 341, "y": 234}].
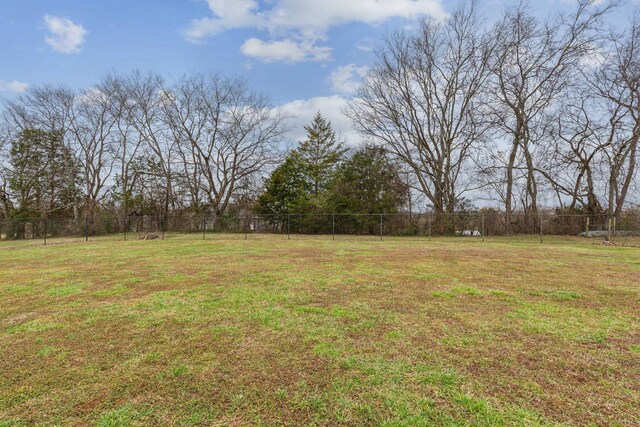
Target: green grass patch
[
  {"x": 127, "y": 415},
  {"x": 34, "y": 326},
  {"x": 311, "y": 331}
]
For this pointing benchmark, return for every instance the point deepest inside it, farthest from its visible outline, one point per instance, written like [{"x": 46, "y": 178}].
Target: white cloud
[
  {"x": 227, "y": 15},
  {"x": 307, "y": 20},
  {"x": 366, "y": 45},
  {"x": 65, "y": 36},
  {"x": 308, "y": 15},
  {"x": 13, "y": 86},
  {"x": 595, "y": 59},
  {"x": 92, "y": 95},
  {"x": 285, "y": 50},
  {"x": 302, "y": 112},
  {"x": 347, "y": 79}
]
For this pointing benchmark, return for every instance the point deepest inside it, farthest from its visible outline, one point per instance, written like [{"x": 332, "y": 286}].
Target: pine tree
[
  {"x": 319, "y": 154},
  {"x": 286, "y": 190},
  {"x": 368, "y": 183},
  {"x": 44, "y": 175}
]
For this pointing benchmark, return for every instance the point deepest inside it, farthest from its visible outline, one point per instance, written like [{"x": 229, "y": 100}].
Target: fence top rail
[{"x": 325, "y": 214}]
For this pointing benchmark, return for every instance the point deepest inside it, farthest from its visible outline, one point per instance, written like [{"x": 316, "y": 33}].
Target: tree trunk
[{"x": 509, "y": 193}]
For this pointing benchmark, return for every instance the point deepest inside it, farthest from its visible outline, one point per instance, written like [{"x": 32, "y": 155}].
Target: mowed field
[{"x": 318, "y": 332}]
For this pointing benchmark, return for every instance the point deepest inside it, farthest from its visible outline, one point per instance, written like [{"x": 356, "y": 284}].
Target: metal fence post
[
  {"x": 540, "y": 219},
  {"x": 333, "y": 226},
  {"x": 45, "y": 232},
  {"x": 430, "y": 219},
  {"x": 246, "y": 225},
  {"x": 288, "y": 226},
  {"x": 380, "y": 227},
  {"x": 608, "y": 229},
  {"x": 162, "y": 226},
  {"x": 204, "y": 229},
  {"x": 86, "y": 229},
  {"x": 586, "y": 231},
  {"x": 483, "y": 227}
]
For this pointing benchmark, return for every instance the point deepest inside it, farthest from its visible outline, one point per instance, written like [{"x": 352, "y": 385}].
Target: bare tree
[
  {"x": 531, "y": 67},
  {"x": 91, "y": 133},
  {"x": 422, "y": 101},
  {"x": 47, "y": 108},
  {"x": 572, "y": 155},
  {"x": 225, "y": 131},
  {"x": 146, "y": 109},
  {"x": 127, "y": 142},
  {"x": 592, "y": 153},
  {"x": 6, "y": 204},
  {"x": 618, "y": 84}
]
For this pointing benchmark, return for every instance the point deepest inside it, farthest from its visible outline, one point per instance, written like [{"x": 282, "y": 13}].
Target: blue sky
[{"x": 306, "y": 55}]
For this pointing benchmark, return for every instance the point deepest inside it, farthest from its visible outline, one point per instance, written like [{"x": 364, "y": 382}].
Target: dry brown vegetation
[{"x": 311, "y": 331}]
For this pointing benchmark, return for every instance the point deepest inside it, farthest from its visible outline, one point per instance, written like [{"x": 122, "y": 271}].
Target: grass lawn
[{"x": 319, "y": 332}]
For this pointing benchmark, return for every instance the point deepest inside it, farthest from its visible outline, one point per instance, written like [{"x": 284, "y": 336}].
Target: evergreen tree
[
  {"x": 319, "y": 154},
  {"x": 44, "y": 175},
  {"x": 286, "y": 190},
  {"x": 368, "y": 183}
]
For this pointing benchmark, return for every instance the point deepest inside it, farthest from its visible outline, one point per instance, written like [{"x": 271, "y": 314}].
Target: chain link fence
[{"x": 425, "y": 225}]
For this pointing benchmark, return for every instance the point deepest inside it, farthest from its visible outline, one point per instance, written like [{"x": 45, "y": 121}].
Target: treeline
[
  {"x": 321, "y": 176},
  {"x": 528, "y": 112},
  {"x": 135, "y": 144}
]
